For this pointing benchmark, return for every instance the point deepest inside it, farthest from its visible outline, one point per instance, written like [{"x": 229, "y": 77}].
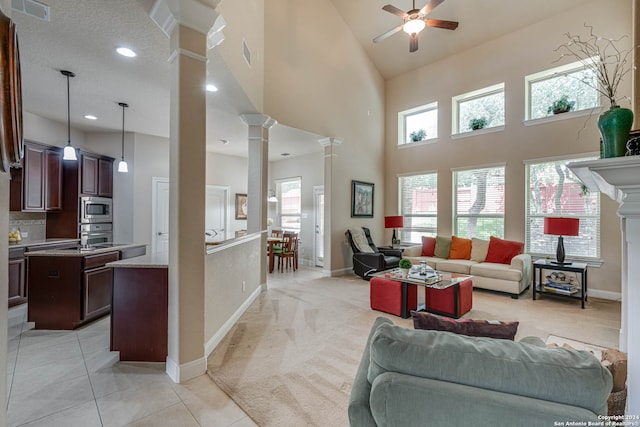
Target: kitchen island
[
  {"x": 139, "y": 311},
  {"x": 71, "y": 287}
]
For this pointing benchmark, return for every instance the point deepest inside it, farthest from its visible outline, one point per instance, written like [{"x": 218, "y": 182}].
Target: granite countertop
[
  {"x": 152, "y": 260},
  {"x": 80, "y": 252},
  {"x": 25, "y": 243}
]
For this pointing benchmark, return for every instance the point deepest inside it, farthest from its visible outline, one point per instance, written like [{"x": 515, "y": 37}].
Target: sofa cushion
[
  {"x": 428, "y": 246},
  {"x": 462, "y": 266},
  {"x": 479, "y": 248},
  {"x": 502, "y": 251},
  {"x": 412, "y": 251},
  {"x": 495, "y": 271},
  {"x": 431, "y": 261},
  {"x": 443, "y": 247},
  {"x": 473, "y": 328},
  {"x": 559, "y": 375},
  {"x": 460, "y": 248}
]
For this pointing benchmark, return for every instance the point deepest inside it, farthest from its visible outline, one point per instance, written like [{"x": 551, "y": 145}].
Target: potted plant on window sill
[
  {"x": 562, "y": 105},
  {"x": 418, "y": 135},
  {"x": 478, "y": 123},
  {"x": 404, "y": 265}
]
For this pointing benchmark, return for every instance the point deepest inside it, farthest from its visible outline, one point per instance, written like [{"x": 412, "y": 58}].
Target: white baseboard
[
  {"x": 597, "y": 293},
  {"x": 226, "y": 327},
  {"x": 187, "y": 371}
]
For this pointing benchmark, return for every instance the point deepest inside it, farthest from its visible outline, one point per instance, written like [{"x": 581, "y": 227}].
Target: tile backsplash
[{"x": 32, "y": 225}]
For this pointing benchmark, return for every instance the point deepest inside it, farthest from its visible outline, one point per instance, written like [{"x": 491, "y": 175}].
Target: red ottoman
[
  {"x": 453, "y": 301},
  {"x": 392, "y": 296}
]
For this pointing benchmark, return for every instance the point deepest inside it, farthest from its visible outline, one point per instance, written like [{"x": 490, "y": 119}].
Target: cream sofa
[{"x": 512, "y": 278}]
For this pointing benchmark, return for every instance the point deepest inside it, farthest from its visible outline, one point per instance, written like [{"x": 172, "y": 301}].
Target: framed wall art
[
  {"x": 241, "y": 206},
  {"x": 361, "y": 199}
]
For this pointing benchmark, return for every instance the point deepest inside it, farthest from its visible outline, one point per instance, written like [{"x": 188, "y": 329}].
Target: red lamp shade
[
  {"x": 561, "y": 226},
  {"x": 393, "y": 221}
]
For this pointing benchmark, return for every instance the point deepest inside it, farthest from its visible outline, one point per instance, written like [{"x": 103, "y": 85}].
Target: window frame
[
  {"x": 470, "y": 96},
  {"x": 424, "y": 230},
  {"x": 595, "y": 260},
  {"x": 454, "y": 188},
  {"x": 552, "y": 73},
  {"x": 282, "y": 215},
  {"x": 403, "y": 136}
]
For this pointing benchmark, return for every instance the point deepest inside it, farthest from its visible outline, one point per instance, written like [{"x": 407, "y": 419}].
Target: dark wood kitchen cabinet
[
  {"x": 17, "y": 277},
  {"x": 96, "y": 176},
  {"x": 66, "y": 292},
  {"x": 37, "y": 186}
]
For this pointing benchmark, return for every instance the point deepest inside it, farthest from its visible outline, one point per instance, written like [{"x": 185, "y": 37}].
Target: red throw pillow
[
  {"x": 460, "y": 248},
  {"x": 501, "y": 251},
  {"x": 428, "y": 246}
]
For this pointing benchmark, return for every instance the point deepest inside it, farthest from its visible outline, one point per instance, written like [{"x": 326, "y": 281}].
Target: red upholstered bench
[
  {"x": 387, "y": 295},
  {"x": 453, "y": 301}
]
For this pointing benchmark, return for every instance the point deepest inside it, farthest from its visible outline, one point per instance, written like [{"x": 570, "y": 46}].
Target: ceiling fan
[{"x": 414, "y": 21}]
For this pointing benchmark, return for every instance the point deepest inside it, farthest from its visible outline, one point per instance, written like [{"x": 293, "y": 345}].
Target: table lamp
[
  {"x": 561, "y": 227},
  {"x": 393, "y": 222}
]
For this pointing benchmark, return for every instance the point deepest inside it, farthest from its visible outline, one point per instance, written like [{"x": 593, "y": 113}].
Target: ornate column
[
  {"x": 187, "y": 23},
  {"x": 258, "y": 172},
  {"x": 619, "y": 178}
]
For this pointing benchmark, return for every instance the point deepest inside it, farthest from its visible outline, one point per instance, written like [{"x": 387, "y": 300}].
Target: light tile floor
[{"x": 70, "y": 378}]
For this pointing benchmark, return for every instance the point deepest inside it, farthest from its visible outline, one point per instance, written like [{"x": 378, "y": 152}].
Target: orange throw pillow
[
  {"x": 428, "y": 246},
  {"x": 460, "y": 248},
  {"x": 501, "y": 251}
]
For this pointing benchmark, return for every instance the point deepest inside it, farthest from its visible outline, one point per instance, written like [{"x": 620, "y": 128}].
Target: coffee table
[{"x": 443, "y": 280}]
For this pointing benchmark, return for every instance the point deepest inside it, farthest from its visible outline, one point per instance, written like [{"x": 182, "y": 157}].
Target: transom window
[
  {"x": 553, "y": 190},
  {"x": 479, "y": 202},
  {"x": 574, "y": 81},
  {"x": 418, "y": 205},
  {"x": 290, "y": 207},
  {"x": 418, "y": 124},
  {"x": 485, "y": 105}
]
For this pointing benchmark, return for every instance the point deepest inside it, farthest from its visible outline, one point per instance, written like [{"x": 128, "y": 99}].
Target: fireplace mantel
[{"x": 619, "y": 178}]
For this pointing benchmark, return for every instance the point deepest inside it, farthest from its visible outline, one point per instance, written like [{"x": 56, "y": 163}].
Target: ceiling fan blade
[
  {"x": 430, "y": 6},
  {"x": 392, "y": 9},
  {"x": 387, "y": 34},
  {"x": 413, "y": 42},
  {"x": 439, "y": 23}
]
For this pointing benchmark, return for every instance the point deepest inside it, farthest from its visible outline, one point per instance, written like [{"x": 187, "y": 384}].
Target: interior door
[
  {"x": 217, "y": 201},
  {"x": 160, "y": 217},
  {"x": 318, "y": 211}
]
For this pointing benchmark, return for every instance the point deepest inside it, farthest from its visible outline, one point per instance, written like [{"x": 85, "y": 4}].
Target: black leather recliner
[{"x": 365, "y": 263}]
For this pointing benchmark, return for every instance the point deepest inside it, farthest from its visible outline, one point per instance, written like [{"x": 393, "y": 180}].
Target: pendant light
[
  {"x": 69, "y": 151},
  {"x": 122, "y": 166}
]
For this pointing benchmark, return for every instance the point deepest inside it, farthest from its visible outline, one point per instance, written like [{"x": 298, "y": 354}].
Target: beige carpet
[{"x": 291, "y": 359}]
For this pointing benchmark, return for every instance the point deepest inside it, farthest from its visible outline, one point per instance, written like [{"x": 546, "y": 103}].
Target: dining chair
[{"x": 287, "y": 257}]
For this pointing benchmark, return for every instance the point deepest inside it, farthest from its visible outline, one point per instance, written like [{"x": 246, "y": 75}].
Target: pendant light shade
[
  {"x": 69, "y": 152},
  {"x": 122, "y": 166}
]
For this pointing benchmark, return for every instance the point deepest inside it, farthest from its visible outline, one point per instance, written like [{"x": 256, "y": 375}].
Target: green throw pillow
[{"x": 443, "y": 247}]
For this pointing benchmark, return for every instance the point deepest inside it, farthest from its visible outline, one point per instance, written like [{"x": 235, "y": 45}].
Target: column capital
[
  {"x": 258, "y": 120},
  {"x": 199, "y": 15},
  {"x": 331, "y": 141}
]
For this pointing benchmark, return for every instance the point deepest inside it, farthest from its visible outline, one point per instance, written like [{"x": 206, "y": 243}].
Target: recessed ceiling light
[
  {"x": 90, "y": 117},
  {"x": 125, "y": 51},
  {"x": 211, "y": 88}
]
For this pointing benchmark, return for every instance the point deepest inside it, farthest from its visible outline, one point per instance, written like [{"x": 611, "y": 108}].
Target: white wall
[
  {"x": 49, "y": 132},
  {"x": 232, "y": 172},
  {"x": 506, "y": 59},
  {"x": 310, "y": 169}
]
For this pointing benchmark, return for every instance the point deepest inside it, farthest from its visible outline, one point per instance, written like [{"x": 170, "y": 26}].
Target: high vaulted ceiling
[{"x": 82, "y": 35}]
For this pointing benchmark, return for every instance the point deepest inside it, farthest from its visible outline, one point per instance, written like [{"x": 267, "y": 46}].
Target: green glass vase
[{"x": 614, "y": 125}]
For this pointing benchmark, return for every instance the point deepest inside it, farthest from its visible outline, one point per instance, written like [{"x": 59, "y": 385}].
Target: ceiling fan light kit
[{"x": 415, "y": 20}]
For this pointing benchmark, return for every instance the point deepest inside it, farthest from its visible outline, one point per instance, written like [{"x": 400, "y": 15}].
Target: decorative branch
[{"x": 603, "y": 57}]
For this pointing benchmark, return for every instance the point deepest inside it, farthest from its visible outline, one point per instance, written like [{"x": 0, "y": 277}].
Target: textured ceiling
[{"x": 82, "y": 36}]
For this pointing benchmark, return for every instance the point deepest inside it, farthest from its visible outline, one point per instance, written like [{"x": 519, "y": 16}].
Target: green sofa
[{"x": 430, "y": 378}]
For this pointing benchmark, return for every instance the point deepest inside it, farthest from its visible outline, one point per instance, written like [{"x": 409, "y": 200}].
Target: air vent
[
  {"x": 246, "y": 53},
  {"x": 31, "y": 8}
]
